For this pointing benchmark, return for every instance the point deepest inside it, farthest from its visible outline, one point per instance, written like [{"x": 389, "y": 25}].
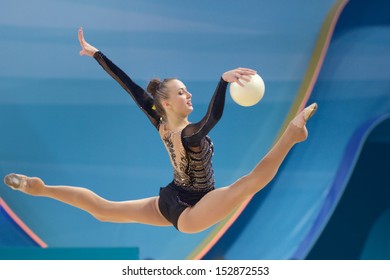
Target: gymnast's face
[{"x": 179, "y": 101}]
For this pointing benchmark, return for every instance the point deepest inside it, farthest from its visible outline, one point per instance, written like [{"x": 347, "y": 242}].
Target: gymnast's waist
[{"x": 184, "y": 189}]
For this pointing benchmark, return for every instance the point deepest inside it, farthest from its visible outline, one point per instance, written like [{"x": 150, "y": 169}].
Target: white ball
[{"x": 250, "y": 94}]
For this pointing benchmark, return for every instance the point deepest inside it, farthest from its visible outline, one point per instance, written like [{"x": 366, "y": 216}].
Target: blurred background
[{"x": 62, "y": 118}]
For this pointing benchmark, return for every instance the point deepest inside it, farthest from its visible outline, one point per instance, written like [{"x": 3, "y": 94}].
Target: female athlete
[{"x": 190, "y": 202}]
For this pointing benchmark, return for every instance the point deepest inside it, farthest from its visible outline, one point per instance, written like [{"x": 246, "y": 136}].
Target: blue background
[{"x": 64, "y": 120}]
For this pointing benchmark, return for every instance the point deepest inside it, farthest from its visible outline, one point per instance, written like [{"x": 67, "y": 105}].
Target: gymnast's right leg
[
  {"x": 217, "y": 204},
  {"x": 143, "y": 211}
]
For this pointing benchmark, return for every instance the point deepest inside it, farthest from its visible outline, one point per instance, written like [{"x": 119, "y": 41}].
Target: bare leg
[
  {"x": 217, "y": 204},
  {"x": 141, "y": 211}
]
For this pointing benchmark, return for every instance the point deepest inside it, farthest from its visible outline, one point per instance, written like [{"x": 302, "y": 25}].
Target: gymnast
[{"x": 190, "y": 203}]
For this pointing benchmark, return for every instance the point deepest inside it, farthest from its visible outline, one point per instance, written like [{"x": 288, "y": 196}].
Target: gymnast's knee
[
  {"x": 100, "y": 218},
  {"x": 111, "y": 219},
  {"x": 249, "y": 184},
  {"x": 106, "y": 213}
]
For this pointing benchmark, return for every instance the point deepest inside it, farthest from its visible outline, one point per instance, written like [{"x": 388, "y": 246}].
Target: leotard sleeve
[
  {"x": 139, "y": 95},
  {"x": 194, "y": 133}
]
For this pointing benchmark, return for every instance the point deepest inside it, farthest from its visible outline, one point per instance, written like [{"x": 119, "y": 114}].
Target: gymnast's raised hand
[{"x": 86, "y": 49}]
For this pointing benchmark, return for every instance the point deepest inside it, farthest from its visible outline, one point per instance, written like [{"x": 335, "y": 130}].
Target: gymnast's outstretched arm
[
  {"x": 193, "y": 133},
  {"x": 140, "y": 96}
]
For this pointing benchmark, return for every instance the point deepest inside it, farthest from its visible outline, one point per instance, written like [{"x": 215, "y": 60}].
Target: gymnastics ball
[{"x": 249, "y": 94}]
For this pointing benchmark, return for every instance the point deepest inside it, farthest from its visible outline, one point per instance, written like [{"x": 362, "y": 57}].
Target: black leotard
[{"x": 190, "y": 149}]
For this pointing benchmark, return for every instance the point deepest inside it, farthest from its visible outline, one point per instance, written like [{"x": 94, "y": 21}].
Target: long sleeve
[
  {"x": 194, "y": 133},
  {"x": 139, "y": 95}
]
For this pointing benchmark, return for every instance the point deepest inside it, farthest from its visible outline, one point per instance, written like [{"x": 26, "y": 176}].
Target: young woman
[{"x": 190, "y": 202}]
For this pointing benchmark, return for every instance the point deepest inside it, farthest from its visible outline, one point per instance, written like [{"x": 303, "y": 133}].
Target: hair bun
[{"x": 153, "y": 86}]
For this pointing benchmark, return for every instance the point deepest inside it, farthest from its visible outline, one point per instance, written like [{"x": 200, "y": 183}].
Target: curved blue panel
[
  {"x": 377, "y": 246},
  {"x": 365, "y": 197},
  {"x": 353, "y": 87}
]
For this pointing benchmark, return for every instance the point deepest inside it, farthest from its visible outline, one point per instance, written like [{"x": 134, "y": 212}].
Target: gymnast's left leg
[
  {"x": 145, "y": 211},
  {"x": 217, "y": 204}
]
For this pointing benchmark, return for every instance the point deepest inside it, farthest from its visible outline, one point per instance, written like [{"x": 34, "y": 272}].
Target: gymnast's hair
[{"x": 159, "y": 90}]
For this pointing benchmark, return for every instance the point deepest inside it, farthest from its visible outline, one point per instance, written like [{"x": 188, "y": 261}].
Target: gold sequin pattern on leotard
[{"x": 192, "y": 170}]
